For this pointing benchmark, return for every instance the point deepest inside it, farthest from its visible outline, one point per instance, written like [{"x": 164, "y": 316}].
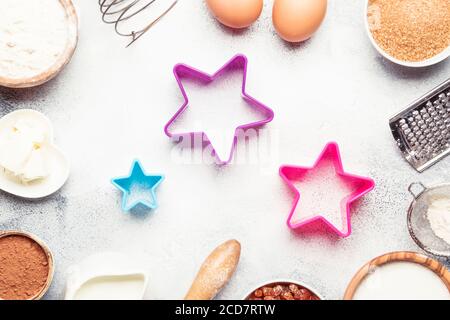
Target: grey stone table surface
[{"x": 109, "y": 106}]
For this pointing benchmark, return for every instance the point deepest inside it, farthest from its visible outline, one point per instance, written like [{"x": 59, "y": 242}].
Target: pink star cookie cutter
[
  {"x": 360, "y": 185},
  {"x": 184, "y": 71}
]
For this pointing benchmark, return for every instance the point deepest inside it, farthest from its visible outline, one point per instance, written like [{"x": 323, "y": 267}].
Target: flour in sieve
[
  {"x": 33, "y": 36},
  {"x": 439, "y": 216}
]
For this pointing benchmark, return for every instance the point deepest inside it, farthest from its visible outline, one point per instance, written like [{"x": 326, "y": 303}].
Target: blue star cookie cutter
[{"x": 138, "y": 188}]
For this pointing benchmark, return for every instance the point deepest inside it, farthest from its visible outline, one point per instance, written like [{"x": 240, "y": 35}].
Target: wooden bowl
[
  {"x": 401, "y": 256},
  {"x": 72, "y": 39},
  {"x": 47, "y": 252}
]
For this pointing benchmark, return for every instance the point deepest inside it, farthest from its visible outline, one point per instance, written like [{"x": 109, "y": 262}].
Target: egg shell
[
  {"x": 236, "y": 13},
  {"x": 297, "y": 20}
]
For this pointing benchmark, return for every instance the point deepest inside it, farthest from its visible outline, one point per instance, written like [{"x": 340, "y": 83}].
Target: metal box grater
[{"x": 422, "y": 130}]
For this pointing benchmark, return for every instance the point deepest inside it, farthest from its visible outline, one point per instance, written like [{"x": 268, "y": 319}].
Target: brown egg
[
  {"x": 236, "y": 13},
  {"x": 297, "y": 20}
]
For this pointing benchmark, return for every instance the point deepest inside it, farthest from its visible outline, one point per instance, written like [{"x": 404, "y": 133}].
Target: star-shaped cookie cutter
[
  {"x": 147, "y": 185},
  {"x": 184, "y": 71},
  {"x": 360, "y": 186}
]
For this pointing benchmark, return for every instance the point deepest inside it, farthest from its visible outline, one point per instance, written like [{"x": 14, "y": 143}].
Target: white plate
[
  {"x": 58, "y": 163},
  {"x": 425, "y": 63}
]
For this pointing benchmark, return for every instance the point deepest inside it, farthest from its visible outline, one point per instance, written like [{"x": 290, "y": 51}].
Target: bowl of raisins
[{"x": 283, "y": 290}]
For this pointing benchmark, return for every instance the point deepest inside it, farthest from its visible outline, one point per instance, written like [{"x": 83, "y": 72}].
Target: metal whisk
[{"x": 118, "y": 11}]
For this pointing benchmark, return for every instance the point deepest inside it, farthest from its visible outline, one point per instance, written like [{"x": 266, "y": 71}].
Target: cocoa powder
[{"x": 24, "y": 268}]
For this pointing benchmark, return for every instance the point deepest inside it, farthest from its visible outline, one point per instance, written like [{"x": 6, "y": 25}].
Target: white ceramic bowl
[
  {"x": 57, "y": 161},
  {"x": 275, "y": 281},
  {"x": 420, "y": 64}
]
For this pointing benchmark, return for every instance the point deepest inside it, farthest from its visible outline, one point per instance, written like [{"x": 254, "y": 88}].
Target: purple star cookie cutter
[{"x": 184, "y": 71}]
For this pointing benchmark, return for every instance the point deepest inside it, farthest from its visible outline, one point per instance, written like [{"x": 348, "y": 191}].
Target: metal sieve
[{"x": 418, "y": 225}]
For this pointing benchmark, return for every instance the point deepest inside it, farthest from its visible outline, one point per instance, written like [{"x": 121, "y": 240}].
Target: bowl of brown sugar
[
  {"x": 26, "y": 266},
  {"x": 411, "y": 33}
]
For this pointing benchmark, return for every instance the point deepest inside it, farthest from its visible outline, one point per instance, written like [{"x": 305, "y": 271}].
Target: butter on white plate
[
  {"x": 31, "y": 166},
  {"x": 23, "y": 151}
]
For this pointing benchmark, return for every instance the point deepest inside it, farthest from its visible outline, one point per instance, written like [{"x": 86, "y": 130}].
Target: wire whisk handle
[{"x": 118, "y": 11}]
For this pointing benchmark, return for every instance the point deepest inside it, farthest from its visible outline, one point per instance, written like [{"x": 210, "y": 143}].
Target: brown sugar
[
  {"x": 410, "y": 30},
  {"x": 24, "y": 268}
]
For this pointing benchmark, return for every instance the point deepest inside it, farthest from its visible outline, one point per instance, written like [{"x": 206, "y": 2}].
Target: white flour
[
  {"x": 33, "y": 35},
  {"x": 324, "y": 193},
  {"x": 439, "y": 216}
]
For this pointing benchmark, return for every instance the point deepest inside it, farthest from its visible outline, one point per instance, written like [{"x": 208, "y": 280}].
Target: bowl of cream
[
  {"x": 400, "y": 276},
  {"x": 106, "y": 276}
]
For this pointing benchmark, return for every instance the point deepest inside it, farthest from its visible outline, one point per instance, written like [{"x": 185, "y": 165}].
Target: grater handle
[{"x": 412, "y": 187}]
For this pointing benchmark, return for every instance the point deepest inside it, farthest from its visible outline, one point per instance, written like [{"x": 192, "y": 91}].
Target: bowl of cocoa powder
[
  {"x": 26, "y": 266},
  {"x": 283, "y": 290},
  {"x": 412, "y": 33}
]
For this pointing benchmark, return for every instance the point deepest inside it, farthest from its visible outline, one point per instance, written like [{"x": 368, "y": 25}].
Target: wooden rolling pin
[{"x": 215, "y": 272}]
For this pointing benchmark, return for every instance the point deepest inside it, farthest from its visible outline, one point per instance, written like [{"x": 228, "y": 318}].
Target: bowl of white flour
[{"x": 37, "y": 39}]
